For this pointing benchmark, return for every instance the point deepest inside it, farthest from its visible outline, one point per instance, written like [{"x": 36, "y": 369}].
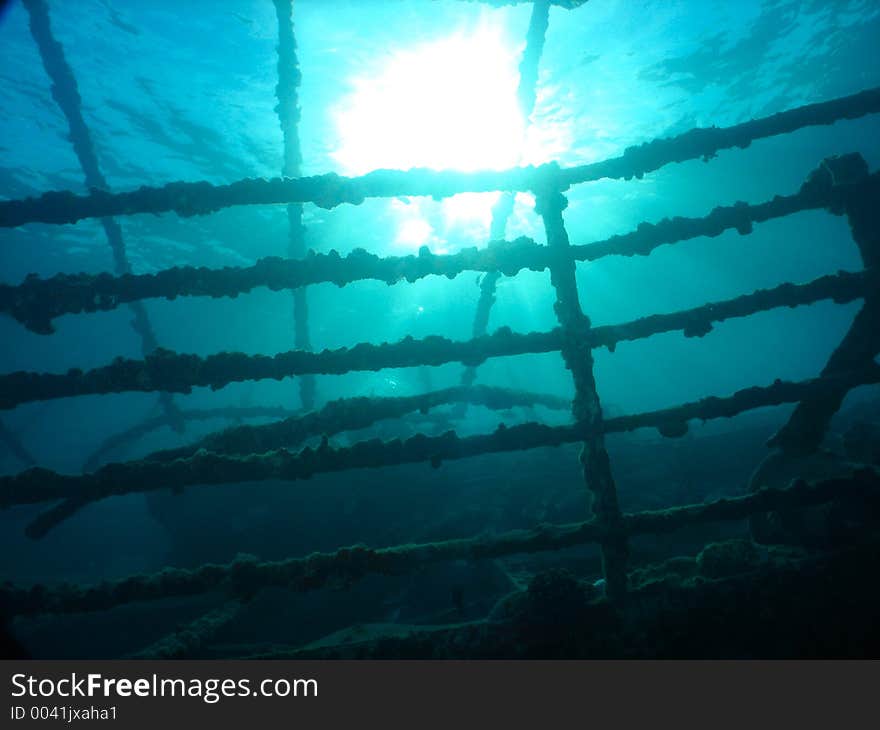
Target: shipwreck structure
[{"x": 842, "y": 185}]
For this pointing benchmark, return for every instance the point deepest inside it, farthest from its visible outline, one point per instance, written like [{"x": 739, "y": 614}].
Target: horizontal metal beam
[
  {"x": 244, "y": 576},
  {"x": 167, "y": 371},
  {"x": 141, "y": 429},
  {"x": 331, "y": 190},
  {"x": 345, "y": 414},
  {"x": 204, "y": 468},
  {"x": 37, "y": 302}
]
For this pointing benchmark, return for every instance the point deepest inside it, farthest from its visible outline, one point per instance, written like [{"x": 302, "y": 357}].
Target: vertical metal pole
[
  {"x": 66, "y": 95},
  {"x": 287, "y": 91},
  {"x": 808, "y": 423},
  {"x": 526, "y": 93},
  {"x": 586, "y": 408}
]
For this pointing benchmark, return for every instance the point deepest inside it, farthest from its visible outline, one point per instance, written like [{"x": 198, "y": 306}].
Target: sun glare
[{"x": 449, "y": 104}]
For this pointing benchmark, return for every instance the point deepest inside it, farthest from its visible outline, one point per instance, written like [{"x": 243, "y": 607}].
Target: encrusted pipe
[
  {"x": 168, "y": 371},
  {"x": 526, "y": 93},
  {"x": 123, "y": 438},
  {"x": 187, "y": 640},
  {"x": 243, "y": 577},
  {"x": 805, "y": 429},
  {"x": 36, "y": 302},
  {"x": 330, "y": 190},
  {"x": 287, "y": 91},
  {"x": 66, "y": 95},
  {"x": 578, "y": 356},
  {"x": 346, "y": 414},
  {"x": 205, "y": 468}
]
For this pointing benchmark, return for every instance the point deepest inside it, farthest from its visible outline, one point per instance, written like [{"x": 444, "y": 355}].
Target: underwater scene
[{"x": 439, "y": 329}]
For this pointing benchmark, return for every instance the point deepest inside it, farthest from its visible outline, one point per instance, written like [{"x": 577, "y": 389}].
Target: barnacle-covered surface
[{"x": 473, "y": 527}]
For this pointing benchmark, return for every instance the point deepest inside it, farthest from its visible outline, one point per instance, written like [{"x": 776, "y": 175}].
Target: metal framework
[{"x": 253, "y": 453}]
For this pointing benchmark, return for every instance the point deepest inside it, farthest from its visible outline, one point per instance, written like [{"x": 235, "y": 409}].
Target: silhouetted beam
[
  {"x": 842, "y": 288},
  {"x": 708, "y": 141},
  {"x": 38, "y": 485},
  {"x": 330, "y": 190},
  {"x": 15, "y": 446},
  {"x": 36, "y": 302},
  {"x": 244, "y": 576},
  {"x": 164, "y": 370},
  {"x": 861, "y": 345},
  {"x": 40, "y": 526},
  {"x": 188, "y": 639},
  {"x": 672, "y": 421},
  {"x": 169, "y": 371},
  {"x": 526, "y": 94},
  {"x": 576, "y": 349},
  {"x": 66, "y": 94},
  {"x": 139, "y": 430},
  {"x": 346, "y": 414},
  {"x": 287, "y": 92},
  {"x": 352, "y": 414}
]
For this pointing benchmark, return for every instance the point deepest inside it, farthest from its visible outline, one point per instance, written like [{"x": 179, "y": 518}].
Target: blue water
[{"x": 186, "y": 91}]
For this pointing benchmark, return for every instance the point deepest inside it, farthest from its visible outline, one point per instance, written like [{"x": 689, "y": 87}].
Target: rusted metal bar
[
  {"x": 168, "y": 371},
  {"x": 188, "y": 639},
  {"x": 346, "y": 414},
  {"x": 287, "y": 91},
  {"x": 705, "y": 142},
  {"x": 141, "y": 429},
  {"x": 245, "y": 576},
  {"x": 526, "y": 94},
  {"x": 331, "y": 190},
  {"x": 587, "y": 409},
  {"x": 205, "y": 468},
  {"x": 36, "y": 302},
  {"x": 66, "y": 95},
  {"x": 805, "y": 429}
]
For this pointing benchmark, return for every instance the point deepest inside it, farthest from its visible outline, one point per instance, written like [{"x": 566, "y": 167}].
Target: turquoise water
[{"x": 186, "y": 91}]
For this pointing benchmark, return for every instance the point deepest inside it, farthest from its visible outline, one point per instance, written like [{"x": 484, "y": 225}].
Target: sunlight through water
[{"x": 449, "y": 104}]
